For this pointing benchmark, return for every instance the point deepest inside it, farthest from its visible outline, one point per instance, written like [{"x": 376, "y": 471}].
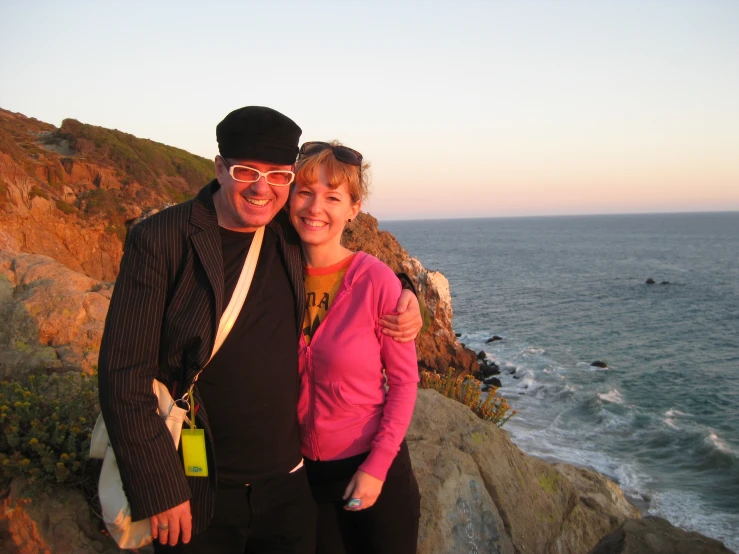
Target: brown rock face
[
  {"x": 52, "y": 317},
  {"x": 438, "y": 348},
  {"x": 67, "y": 193},
  {"x": 654, "y": 535},
  {"x": 33, "y": 522},
  {"x": 480, "y": 493}
]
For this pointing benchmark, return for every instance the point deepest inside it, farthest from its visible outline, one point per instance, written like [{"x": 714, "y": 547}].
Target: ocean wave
[
  {"x": 714, "y": 440},
  {"x": 612, "y": 396}
]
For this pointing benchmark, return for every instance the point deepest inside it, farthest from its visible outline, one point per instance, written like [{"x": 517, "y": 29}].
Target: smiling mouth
[
  {"x": 313, "y": 223},
  {"x": 256, "y": 202}
]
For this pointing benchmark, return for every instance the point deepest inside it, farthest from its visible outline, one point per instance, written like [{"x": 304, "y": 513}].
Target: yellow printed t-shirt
[{"x": 321, "y": 286}]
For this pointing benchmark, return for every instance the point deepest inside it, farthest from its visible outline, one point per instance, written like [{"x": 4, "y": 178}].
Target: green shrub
[
  {"x": 425, "y": 315},
  {"x": 466, "y": 390},
  {"x": 46, "y": 429},
  {"x": 66, "y": 208},
  {"x": 38, "y": 191}
]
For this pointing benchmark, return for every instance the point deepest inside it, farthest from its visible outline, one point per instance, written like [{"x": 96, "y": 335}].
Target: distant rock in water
[
  {"x": 654, "y": 535},
  {"x": 493, "y": 339},
  {"x": 665, "y": 283},
  {"x": 492, "y": 382},
  {"x": 600, "y": 364},
  {"x": 650, "y": 281},
  {"x": 457, "y": 335},
  {"x": 481, "y": 355},
  {"x": 489, "y": 369}
]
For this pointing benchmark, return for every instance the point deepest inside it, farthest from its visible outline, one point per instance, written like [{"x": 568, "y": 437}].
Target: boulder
[
  {"x": 481, "y": 493},
  {"x": 650, "y": 281},
  {"x": 598, "y": 363},
  {"x": 654, "y": 535},
  {"x": 58, "y": 522},
  {"x": 53, "y": 317},
  {"x": 665, "y": 283},
  {"x": 481, "y": 355},
  {"x": 493, "y": 339}
]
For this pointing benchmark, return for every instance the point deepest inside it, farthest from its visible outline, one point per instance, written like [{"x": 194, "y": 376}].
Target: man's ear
[{"x": 221, "y": 170}]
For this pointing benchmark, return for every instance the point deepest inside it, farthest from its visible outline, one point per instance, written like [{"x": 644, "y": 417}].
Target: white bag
[
  {"x": 113, "y": 501},
  {"x": 116, "y": 509}
]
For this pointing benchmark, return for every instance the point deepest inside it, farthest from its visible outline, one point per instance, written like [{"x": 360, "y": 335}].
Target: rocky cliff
[{"x": 68, "y": 192}]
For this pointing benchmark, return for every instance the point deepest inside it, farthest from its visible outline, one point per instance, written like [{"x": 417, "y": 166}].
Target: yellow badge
[{"x": 193, "y": 453}]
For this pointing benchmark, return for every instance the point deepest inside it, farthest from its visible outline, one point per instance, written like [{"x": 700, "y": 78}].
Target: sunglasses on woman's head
[{"x": 342, "y": 153}]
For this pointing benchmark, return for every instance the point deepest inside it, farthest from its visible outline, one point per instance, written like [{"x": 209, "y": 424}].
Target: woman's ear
[{"x": 355, "y": 210}]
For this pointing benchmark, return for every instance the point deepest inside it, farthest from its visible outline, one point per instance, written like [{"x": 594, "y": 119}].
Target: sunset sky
[{"x": 464, "y": 108}]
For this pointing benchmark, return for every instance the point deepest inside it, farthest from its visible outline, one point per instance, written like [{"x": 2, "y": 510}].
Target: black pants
[
  {"x": 390, "y": 526},
  {"x": 274, "y": 517}
]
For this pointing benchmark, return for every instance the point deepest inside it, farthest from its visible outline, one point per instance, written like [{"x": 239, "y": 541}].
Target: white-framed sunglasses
[{"x": 246, "y": 174}]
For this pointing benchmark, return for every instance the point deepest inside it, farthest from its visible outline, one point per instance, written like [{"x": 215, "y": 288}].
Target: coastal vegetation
[
  {"x": 134, "y": 158},
  {"x": 47, "y": 424},
  {"x": 468, "y": 391}
]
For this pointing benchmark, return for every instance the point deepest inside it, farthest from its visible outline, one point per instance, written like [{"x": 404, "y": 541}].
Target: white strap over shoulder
[{"x": 239, "y": 295}]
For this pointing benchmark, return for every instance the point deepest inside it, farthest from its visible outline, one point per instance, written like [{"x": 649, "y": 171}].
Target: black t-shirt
[{"x": 250, "y": 387}]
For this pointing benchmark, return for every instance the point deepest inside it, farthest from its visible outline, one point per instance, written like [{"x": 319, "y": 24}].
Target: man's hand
[
  {"x": 169, "y": 525},
  {"x": 363, "y": 487},
  {"x": 405, "y": 326}
]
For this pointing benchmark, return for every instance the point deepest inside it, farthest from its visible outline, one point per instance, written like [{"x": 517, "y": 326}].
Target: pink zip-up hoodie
[{"x": 344, "y": 408}]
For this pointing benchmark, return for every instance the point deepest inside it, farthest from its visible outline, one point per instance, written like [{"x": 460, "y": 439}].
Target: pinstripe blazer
[{"x": 161, "y": 324}]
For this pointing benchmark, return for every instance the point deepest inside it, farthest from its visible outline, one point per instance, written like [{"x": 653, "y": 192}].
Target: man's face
[{"x": 245, "y": 207}]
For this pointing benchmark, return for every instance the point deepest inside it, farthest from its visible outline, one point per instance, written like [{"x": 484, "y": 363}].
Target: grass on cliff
[
  {"x": 140, "y": 159},
  {"x": 47, "y": 425},
  {"x": 467, "y": 390}
]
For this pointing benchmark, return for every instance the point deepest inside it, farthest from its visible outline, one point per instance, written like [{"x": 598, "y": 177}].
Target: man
[{"x": 178, "y": 272}]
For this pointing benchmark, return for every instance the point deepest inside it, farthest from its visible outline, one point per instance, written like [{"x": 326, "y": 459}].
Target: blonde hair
[{"x": 337, "y": 173}]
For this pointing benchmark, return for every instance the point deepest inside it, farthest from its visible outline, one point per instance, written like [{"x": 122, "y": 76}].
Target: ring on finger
[{"x": 164, "y": 527}]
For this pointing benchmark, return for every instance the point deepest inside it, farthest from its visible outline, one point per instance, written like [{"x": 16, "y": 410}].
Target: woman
[{"x": 352, "y": 425}]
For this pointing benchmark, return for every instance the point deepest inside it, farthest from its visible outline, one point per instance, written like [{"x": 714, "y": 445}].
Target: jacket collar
[{"x": 203, "y": 213}]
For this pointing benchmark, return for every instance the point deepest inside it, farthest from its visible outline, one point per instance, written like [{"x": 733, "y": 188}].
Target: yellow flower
[
  {"x": 64, "y": 457},
  {"x": 34, "y": 440},
  {"x": 25, "y": 462}
]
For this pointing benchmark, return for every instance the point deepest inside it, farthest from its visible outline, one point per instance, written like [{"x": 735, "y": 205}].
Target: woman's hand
[
  {"x": 405, "y": 326},
  {"x": 363, "y": 487}
]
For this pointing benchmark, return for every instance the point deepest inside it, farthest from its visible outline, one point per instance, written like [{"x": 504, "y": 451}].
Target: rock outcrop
[
  {"x": 35, "y": 522},
  {"x": 654, "y": 535},
  {"x": 438, "y": 347},
  {"x": 52, "y": 317},
  {"x": 67, "y": 193},
  {"x": 481, "y": 493}
]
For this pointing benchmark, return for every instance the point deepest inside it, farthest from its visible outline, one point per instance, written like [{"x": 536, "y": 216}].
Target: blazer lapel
[{"x": 206, "y": 242}]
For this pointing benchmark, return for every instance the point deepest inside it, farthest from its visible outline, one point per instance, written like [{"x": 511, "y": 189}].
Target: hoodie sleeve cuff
[{"x": 378, "y": 462}]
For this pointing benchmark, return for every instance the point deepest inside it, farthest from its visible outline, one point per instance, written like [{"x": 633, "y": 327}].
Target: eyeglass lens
[{"x": 250, "y": 175}]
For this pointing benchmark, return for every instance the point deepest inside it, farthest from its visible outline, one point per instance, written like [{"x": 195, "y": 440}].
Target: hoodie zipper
[{"x": 309, "y": 366}]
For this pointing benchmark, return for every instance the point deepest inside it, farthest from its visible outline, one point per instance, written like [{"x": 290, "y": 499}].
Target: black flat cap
[{"x": 260, "y": 134}]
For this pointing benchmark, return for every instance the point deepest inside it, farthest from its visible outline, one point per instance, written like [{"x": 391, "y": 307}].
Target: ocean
[{"x": 663, "y": 418}]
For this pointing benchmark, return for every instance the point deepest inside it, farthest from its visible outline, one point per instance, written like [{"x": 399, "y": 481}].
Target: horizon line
[{"x": 700, "y": 212}]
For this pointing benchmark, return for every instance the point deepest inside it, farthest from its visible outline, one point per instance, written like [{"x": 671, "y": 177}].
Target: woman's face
[{"x": 319, "y": 212}]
